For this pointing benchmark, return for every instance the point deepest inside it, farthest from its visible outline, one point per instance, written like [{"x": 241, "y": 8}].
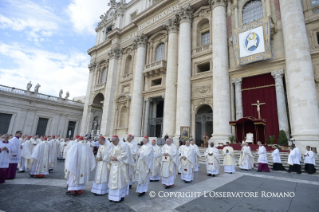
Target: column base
[
  {"x": 176, "y": 140},
  {"x": 221, "y": 138},
  {"x": 301, "y": 141}
]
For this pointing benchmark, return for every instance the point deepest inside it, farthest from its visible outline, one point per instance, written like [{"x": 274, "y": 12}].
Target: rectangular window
[
  {"x": 4, "y": 123},
  {"x": 42, "y": 126},
  {"x": 71, "y": 128},
  {"x": 203, "y": 67},
  {"x": 314, "y": 3},
  {"x": 156, "y": 82},
  {"x": 133, "y": 15},
  {"x": 205, "y": 38}
]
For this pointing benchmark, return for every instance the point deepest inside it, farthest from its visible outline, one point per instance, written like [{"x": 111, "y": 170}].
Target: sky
[{"x": 46, "y": 42}]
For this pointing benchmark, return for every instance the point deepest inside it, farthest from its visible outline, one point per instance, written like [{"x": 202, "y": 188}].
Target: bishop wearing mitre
[
  {"x": 40, "y": 156},
  {"x": 144, "y": 166},
  {"x": 246, "y": 159},
  {"x": 197, "y": 154},
  {"x": 187, "y": 163},
  {"x": 229, "y": 162},
  {"x": 80, "y": 164},
  {"x": 170, "y": 163},
  {"x": 134, "y": 150},
  {"x": 212, "y": 160},
  {"x": 100, "y": 183},
  {"x": 157, "y": 161},
  {"x": 121, "y": 160}
]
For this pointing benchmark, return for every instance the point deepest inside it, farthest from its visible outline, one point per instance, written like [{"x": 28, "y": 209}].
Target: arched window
[
  {"x": 205, "y": 38},
  {"x": 128, "y": 65},
  {"x": 103, "y": 76},
  {"x": 160, "y": 52},
  {"x": 123, "y": 117},
  {"x": 252, "y": 11}
]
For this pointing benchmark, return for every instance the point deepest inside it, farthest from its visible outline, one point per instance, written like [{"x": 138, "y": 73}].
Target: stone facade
[
  {"x": 188, "y": 74},
  {"x": 25, "y": 108}
]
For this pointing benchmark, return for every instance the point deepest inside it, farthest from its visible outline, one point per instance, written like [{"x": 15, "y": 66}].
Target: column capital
[
  {"x": 140, "y": 40},
  {"x": 148, "y": 99},
  {"x": 216, "y": 3},
  {"x": 278, "y": 73},
  {"x": 171, "y": 25},
  {"x": 237, "y": 81},
  {"x": 92, "y": 66},
  {"x": 115, "y": 53},
  {"x": 185, "y": 14}
]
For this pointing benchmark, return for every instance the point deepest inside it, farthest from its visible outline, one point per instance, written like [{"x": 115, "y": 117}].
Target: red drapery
[{"x": 252, "y": 91}]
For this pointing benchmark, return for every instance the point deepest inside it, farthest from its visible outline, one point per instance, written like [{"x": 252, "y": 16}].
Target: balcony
[
  {"x": 202, "y": 50},
  {"x": 155, "y": 68}
]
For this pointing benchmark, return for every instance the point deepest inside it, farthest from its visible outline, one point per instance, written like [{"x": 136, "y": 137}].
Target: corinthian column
[
  {"x": 281, "y": 101},
  {"x": 84, "y": 123},
  {"x": 238, "y": 98},
  {"x": 146, "y": 114},
  {"x": 107, "y": 117},
  {"x": 135, "y": 121},
  {"x": 171, "y": 77},
  {"x": 183, "y": 100},
  {"x": 221, "y": 86},
  {"x": 303, "y": 100}
]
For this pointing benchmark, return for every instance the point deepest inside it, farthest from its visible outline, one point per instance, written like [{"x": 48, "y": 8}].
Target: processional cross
[{"x": 258, "y": 107}]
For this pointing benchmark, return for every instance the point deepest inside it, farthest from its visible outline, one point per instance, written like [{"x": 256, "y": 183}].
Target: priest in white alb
[
  {"x": 170, "y": 163},
  {"x": 197, "y": 153},
  {"x": 80, "y": 164},
  {"x": 5, "y": 149},
  {"x": 212, "y": 160},
  {"x": 294, "y": 160},
  {"x": 144, "y": 166},
  {"x": 100, "y": 183},
  {"x": 262, "y": 158},
  {"x": 15, "y": 155},
  {"x": 276, "y": 160},
  {"x": 134, "y": 150},
  {"x": 40, "y": 163},
  {"x": 180, "y": 149},
  {"x": 229, "y": 162},
  {"x": 157, "y": 161},
  {"x": 121, "y": 160},
  {"x": 310, "y": 161},
  {"x": 54, "y": 152},
  {"x": 187, "y": 162},
  {"x": 246, "y": 159}
]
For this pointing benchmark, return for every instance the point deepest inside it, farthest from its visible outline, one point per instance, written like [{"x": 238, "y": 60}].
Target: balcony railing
[
  {"x": 155, "y": 68},
  {"x": 99, "y": 86},
  {"x": 201, "y": 49},
  {"x": 32, "y": 94}
]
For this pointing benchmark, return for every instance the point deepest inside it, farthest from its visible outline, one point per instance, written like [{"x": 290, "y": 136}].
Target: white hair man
[
  {"x": 246, "y": 159},
  {"x": 144, "y": 166},
  {"x": 197, "y": 154},
  {"x": 134, "y": 150},
  {"x": 169, "y": 163},
  {"x": 229, "y": 162},
  {"x": 187, "y": 163},
  {"x": 212, "y": 160},
  {"x": 157, "y": 161}
]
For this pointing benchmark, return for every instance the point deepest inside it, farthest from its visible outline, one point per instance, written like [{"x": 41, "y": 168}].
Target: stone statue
[
  {"x": 36, "y": 88},
  {"x": 60, "y": 93},
  {"x": 94, "y": 125},
  {"x": 29, "y": 85},
  {"x": 67, "y": 95}
]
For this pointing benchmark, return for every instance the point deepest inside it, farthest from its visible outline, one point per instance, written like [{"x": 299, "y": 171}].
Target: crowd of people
[{"x": 120, "y": 164}]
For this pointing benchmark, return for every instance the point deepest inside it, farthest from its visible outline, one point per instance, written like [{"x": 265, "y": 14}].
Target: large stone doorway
[
  {"x": 155, "y": 122},
  {"x": 204, "y": 123}
]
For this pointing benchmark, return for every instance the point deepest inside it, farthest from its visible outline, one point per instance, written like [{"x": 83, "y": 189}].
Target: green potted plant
[
  {"x": 271, "y": 140},
  {"x": 232, "y": 139},
  {"x": 282, "y": 139}
]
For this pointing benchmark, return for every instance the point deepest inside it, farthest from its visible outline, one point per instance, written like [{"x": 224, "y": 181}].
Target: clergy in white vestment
[
  {"x": 180, "y": 149},
  {"x": 170, "y": 163},
  {"x": 81, "y": 162},
  {"x": 41, "y": 158},
  {"x": 187, "y": 162},
  {"x": 15, "y": 155},
  {"x": 212, "y": 160},
  {"x": 229, "y": 162},
  {"x": 246, "y": 159},
  {"x": 277, "y": 165},
  {"x": 103, "y": 157},
  {"x": 26, "y": 152},
  {"x": 5, "y": 148},
  {"x": 262, "y": 158},
  {"x": 121, "y": 160},
  {"x": 197, "y": 154},
  {"x": 63, "y": 144},
  {"x": 66, "y": 150},
  {"x": 294, "y": 160},
  {"x": 134, "y": 150},
  {"x": 144, "y": 166},
  {"x": 309, "y": 160},
  {"x": 54, "y": 152},
  {"x": 297, "y": 152},
  {"x": 157, "y": 162},
  {"x": 21, "y": 164}
]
